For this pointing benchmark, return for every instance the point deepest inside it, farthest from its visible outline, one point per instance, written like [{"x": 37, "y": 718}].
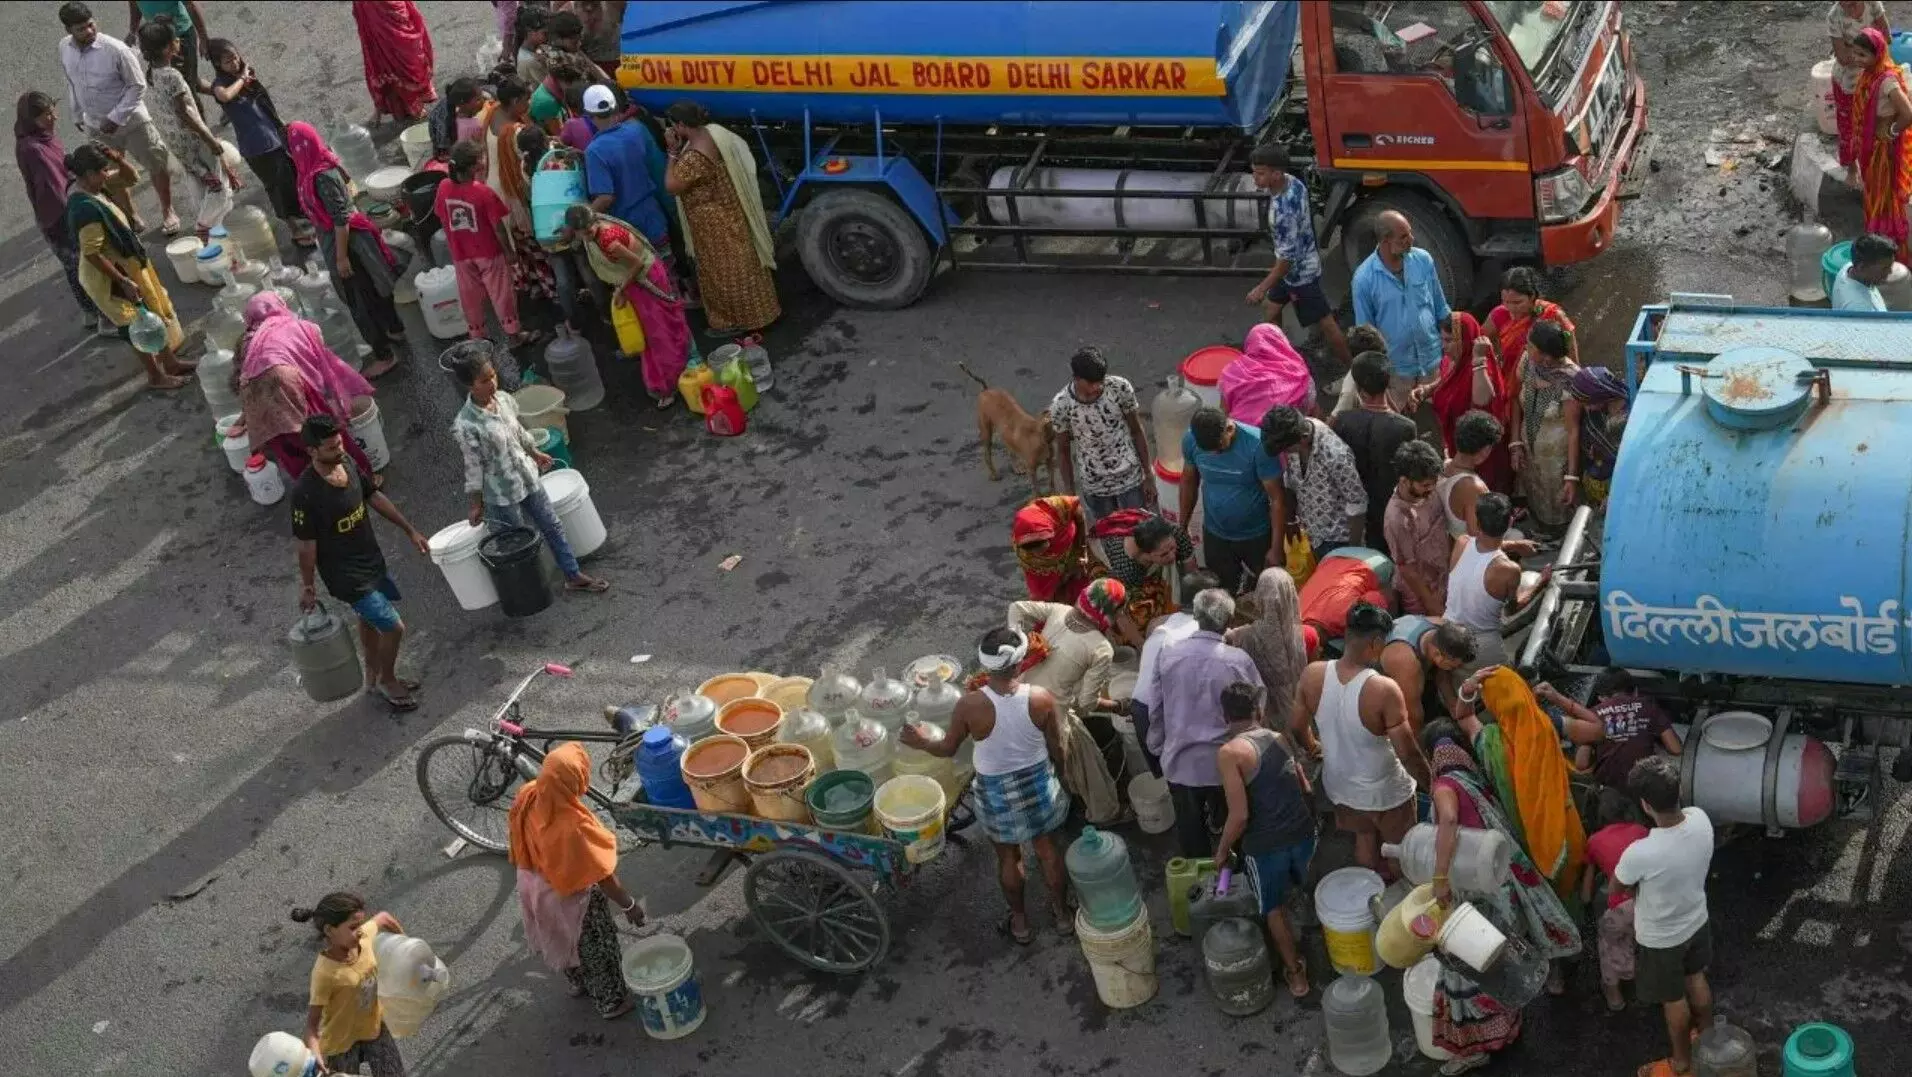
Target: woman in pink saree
[
  {"x": 1270, "y": 374},
  {"x": 285, "y": 374},
  {"x": 622, "y": 258}
]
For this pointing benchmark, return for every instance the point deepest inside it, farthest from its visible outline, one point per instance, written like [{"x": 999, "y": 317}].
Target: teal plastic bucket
[
  {"x": 1818, "y": 1050},
  {"x": 841, "y": 800},
  {"x": 1837, "y": 257},
  {"x": 551, "y": 442}
]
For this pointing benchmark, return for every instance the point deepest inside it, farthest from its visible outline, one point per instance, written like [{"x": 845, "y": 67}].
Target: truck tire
[
  {"x": 863, "y": 249},
  {"x": 1433, "y": 233}
]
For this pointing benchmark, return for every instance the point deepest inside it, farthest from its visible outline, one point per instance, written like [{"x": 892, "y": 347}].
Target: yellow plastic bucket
[
  {"x": 1347, "y": 923},
  {"x": 751, "y": 718},
  {"x": 714, "y": 770},
  {"x": 777, "y": 777},
  {"x": 787, "y": 692},
  {"x": 911, "y": 810}
]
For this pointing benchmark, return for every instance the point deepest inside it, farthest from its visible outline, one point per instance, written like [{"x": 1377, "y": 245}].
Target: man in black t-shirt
[
  {"x": 1373, "y": 431},
  {"x": 336, "y": 542}
]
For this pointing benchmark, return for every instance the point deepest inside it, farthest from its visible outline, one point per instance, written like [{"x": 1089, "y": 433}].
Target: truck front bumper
[{"x": 1581, "y": 239}]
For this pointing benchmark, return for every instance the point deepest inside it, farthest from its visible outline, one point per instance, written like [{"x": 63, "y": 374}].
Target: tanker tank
[{"x": 1197, "y": 64}]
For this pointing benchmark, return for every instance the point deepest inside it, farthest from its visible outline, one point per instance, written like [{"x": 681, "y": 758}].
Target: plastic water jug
[
  {"x": 692, "y": 382},
  {"x": 1482, "y": 859},
  {"x": 281, "y": 1054},
  {"x": 1725, "y": 1051},
  {"x": 1235, "y": 963},
  {"x": 1806, "y": 243},
  {"x": 314, "y": 289},
  {"x": 1896, "y": 288},
  {"x": 1356, "y": 1019},
  {"x": 1219, "y": 897},
  {"x": 574, "y": 369},
  {"x": 224, "y": 328},
  {"x": 1171, "y": 409},
  {"x": 263, "y": 480},
  {"x": 729, "y": 368},
  {"x": 325, "y": 655},
  {"x": 1409, "y": 930},
  {"x": 253, "y": 273},
  {"x": 406, "y": 965},
  {"x": 252, "y": 230},
  {"x": 438, "y": 301},
  {"x": 1818, "y": 1050},
  {"x": 215, "y": 380},
  {"x": 340, "y": 334},
  {"x": 757, "y": 358},
  {"x": 234, "y": 296},
  {"x": 356, "y": 152},
  {"x": 885, "y": 699},
  {"x": 812, "y": 730},
  {"x": 660, "y": 767},
  {"x": 865, "y": 745},
  {"x": 723, "y": 415},
  {"x": 691, "y": 716},
  {"x": 1103, "y": 879},
  {"x": 148, "y": 331},
  {"x": 553, "y": 190},
  {"x": 936, "y": 699},
  {"x": 405, "y": 289},
  {"x": 1180, "y": 875},
  {"x": 833, "y": 694},
  {"x": 940, "y": 769}
]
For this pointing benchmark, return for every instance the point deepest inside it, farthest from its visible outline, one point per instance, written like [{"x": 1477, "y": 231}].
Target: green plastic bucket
[
  {"x": 841, "y": 800},
  {"x": 1818, "y": 1050}
]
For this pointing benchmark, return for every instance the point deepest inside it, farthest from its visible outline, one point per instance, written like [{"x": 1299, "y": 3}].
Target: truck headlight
[{"x": 1561, "y": 195}]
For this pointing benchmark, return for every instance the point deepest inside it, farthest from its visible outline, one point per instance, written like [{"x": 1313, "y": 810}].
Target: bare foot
[
  {"x": 380, "y": 368},
  {"x": 177, "y": 365},
  {"x": 165, "y": 382}
]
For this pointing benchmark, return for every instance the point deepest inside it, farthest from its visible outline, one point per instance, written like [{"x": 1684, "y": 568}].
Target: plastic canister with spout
[
  {"x": 884, "y": 699},
  {"x": 1482, "y": 859},
  {"x": 1806, "y": 243},
  {"x": 1182, "y": 874},
  {"x": 1171, "y": 410},
  {"x": 1409, "y": 931},
  {"x": 1217, "y": 898}
]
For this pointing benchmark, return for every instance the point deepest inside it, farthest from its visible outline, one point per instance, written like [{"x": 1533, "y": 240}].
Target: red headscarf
[
  {"x": 1454, "y": 391},
  {"x": 311, "y": 156},
  {"x": 1057, "y": 570},
  {"x": 1102, "y": 601}
]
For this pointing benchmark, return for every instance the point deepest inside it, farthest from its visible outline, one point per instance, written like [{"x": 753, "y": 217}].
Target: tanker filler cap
[{"x": 1757, "y": 387}]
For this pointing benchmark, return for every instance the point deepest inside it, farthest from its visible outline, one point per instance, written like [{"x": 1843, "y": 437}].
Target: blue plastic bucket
[
  {"x": 1901, "y": 47},
  {"x": 1837, "y": 257},
  {"x": 553, "y": 190}
]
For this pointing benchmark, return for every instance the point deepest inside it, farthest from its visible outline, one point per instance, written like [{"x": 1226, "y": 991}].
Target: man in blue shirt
[
  {"x": 624, "y": 170},
  {"x": 1397, "y": 291},
  {"x": 1857, "y": 285},
  {"x": 1296, "y": 276},
  {"x": 1243, "y": 507}
]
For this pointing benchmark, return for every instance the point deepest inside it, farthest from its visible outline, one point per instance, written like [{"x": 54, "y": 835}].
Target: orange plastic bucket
[
  {"x": 725, "y": 687},
  {"x": 752, "y": 718},
  {"x": 714, "y": 770},
  {"x": 777, "y": 777}
]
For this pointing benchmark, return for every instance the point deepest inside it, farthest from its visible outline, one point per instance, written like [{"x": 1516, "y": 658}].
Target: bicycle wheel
[{"x": 470, "y": 786}]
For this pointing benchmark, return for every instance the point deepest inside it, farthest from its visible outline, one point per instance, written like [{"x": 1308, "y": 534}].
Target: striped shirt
[{"x": 497, "y": 451}]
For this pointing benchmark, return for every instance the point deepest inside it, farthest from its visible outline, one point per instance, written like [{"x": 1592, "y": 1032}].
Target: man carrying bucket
[{"x": 1019, "y": 797}]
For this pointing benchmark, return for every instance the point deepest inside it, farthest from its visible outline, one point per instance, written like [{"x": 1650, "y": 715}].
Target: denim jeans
[
  {"x": 545, "y": 519},
  {"x": 569, "y": 273}
]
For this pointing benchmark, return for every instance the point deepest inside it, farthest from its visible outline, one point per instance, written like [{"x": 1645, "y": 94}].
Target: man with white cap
[
  {"x": 624, "y": 170},
  {"x": 1019, "y": 797}
]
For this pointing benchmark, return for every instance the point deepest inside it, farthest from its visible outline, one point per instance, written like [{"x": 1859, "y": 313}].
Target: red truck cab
[{"x": 1505, "y": 130}]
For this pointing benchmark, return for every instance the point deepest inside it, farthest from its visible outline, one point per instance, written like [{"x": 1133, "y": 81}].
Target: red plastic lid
[
  {"x": 1167, "y": 473},
  {"x": 1204, "y": 365},
  {"x": 257, "y": 459}
]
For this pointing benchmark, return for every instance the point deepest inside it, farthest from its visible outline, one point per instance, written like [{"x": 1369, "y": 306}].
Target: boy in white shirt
[{"x": 1668, "y": 870}]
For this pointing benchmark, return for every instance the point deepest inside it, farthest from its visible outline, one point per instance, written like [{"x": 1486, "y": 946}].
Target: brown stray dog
[{"x": 1030, "y": 440}]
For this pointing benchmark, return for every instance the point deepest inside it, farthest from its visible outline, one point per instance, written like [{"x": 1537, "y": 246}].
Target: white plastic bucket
[
  {"x": 1154, "y": 811},
  {"x": 455, "y": 552},
  {"x": 662, "y": 973},
  {"x": 238, "y": 450},
  {"x": 571, "y": 499},
  {"x": 263, "y": 480},
  {"x": 1347, "y": 922},
  {"x": 542, "y": 405},
  {"x": 369, "y": 432},
  {"x": 1122, "y": 961},
  {"x": 911, "y": 809},
  {"x": 211, "y": 265},
  {"x": 1821, "y": 102},
  {"x": 416, "y": 142},
  {"x": 1471, "y": 938},
  {"x": 1417, "y": 990},
  {"x": 183, "y": 253}
]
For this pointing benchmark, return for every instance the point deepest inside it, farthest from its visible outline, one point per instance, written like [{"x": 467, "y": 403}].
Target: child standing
[
  {"x": 1604, "y": 850},
  {"x": 260, "y": 134},
  {"x": 1668, "y": 870},
  {"x": 476, "y": 220},
  {"x": 344, "y": 1023},
  {"x": 177, "y": 120}
]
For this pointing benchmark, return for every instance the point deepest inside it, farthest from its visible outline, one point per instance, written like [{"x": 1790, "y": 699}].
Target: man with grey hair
[{"x": 1187, "y": 724}]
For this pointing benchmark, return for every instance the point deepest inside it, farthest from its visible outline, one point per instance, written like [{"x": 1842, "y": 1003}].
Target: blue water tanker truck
[
  {"x": 1752, "y": 567},
  {"x": 901, "y": 136}
]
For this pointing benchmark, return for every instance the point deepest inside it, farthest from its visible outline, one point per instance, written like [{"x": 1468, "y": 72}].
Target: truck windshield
[{"x": 1532, "y": 26}]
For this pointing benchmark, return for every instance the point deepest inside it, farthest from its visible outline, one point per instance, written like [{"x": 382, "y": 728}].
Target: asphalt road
[{"x": 171, "y": 792}]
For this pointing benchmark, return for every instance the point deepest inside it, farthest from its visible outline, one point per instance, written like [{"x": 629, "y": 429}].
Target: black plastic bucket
[{"x": 522, "y": 569}]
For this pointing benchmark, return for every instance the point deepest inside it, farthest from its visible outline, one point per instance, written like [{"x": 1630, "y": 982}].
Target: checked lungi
[{"x": 1022, "y": 804}]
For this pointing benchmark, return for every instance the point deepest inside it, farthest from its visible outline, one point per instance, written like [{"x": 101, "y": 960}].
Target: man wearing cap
[{"x": 624, "y": 170}]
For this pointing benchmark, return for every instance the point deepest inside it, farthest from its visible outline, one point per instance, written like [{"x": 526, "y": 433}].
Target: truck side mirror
[{"x": 1482, "y": 86}]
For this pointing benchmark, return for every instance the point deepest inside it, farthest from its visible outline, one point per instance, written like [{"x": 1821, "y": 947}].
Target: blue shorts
[
  {"x": 376, "y": 608},
  {"x": 1311, "y": 303},
  {"x": 1274, "y": 872}
]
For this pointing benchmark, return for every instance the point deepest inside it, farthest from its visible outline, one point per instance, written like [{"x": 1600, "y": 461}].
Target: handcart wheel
[{"x": 816, "y": 911}]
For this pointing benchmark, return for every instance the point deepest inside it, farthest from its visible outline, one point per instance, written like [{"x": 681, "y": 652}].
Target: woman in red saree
[
  {"x": 1470, "y": 380},
  {"x": 1051, "y": 537},
  {"x": 398, "y": 57},
  {"x": 624, "y": 260},
  {"x": 1520, "y": 307},
  {"x": 1881, "y": 110}
]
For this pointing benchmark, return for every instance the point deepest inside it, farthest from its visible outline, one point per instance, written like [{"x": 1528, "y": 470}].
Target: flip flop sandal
[
  {"x": 1006, "y": 926},
  {"x": 1064, "y": 927},
  {"x": 170, "y": 224},
  {"x": 1298, "y": 968},
  {"x": 399, "y": 704}
]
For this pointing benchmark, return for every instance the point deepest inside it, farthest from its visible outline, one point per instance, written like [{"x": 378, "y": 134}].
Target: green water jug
[
  {"x": 1183, "y": 875},
  {"x": 1103, "y": 879},
  {"x": 1818, "y": 1050},
  {"x": 736, "y": 375}
]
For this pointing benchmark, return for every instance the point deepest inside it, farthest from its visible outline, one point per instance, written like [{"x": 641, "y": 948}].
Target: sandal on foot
[
  {"x": 627, "y": 1007},
  {"x": 166, "y": 384},
  {"x": 1065, "y": 925},
  {"x": 399, "y": 704},
  {"x": 170, "y": 224},
  {"x": 380, "y": 368},
  {"x": 1297, "y": 973},
  {"x": 1007, "y": 926}
]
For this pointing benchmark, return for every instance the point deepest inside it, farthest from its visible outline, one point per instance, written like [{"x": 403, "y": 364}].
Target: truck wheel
[
  {"x": 863, "y": 249},
  {"x": 1433, "y": 233}
]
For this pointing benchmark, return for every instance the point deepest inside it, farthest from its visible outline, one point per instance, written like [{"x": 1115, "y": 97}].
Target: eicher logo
[{"x": 1404, "y": 140}]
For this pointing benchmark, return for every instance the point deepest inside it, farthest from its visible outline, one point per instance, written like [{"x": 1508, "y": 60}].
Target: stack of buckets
[{"x": 1112, "y": 923}]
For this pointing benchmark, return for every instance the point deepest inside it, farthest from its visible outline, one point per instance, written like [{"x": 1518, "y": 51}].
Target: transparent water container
[
  {"x": 1103, "y": 879},
  {"x": 252, "y": 230},
  {"x": 758, "y": 360},
  {"x": 224, "y": 327},
  {"x": 1725, "y": 1051},
  {"x": 314, "y": 289},
  {"x": 1807, "y": 243},
  {"x": 812, "y": 730},
  {"x": 1235, "y": 963},
  {"x": 234, "y": 296},
  {"x": 356, "y": 152},
  {"x": 884, "y": 698},
  {"x": 834, "y": 694},
  {"x": 1356, "y": 1018},
  {"x": 862, "y": 744},
  {"x": 936, "y": 700},
  {"x": 940, "y": 769},
  {"x": 148, "y": 331},
  {"x": 1171, "y": 410},
  {"x": 1896, "y": 288}
]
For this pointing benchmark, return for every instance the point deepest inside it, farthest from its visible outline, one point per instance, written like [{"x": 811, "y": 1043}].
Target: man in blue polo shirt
[
  {"x": 624, "y": 170},
  {"x": 1397, "y": 291},
  {"x": 1243, "y": 507}
]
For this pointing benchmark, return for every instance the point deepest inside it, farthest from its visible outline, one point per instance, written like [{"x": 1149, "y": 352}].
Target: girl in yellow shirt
[{"x": 345, "y": 1025}]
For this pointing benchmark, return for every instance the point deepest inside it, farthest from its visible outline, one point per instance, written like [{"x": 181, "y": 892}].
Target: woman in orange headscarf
[
  {"x": 1881, "y": 110},
  {"x": 1051, "y": 537},
  {"x": 567, "y": 880}
]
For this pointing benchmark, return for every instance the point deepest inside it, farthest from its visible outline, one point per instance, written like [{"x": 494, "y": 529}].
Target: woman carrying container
[
  {"x": 1469, "y": 1023},
  {"x": 344, "y": 1023},
  {"x": 1881, "y": 111},
  {"x": 567, "y": 881},
  {"x": 42, "y": 162},
  {"x": 1279, "y": 643},
  {"x": 115, "y": 271},
  {"x": 621, "y": 257},
  {"x": 714, "y": 178},
  {"x": 502, "y": 464},
  {"x": 1845, "y": 20},
  {"x": 283, "y": 374},
  {"x": 533, "y": 275},
  {"x": 1538, "y": 423},
  {"x": 364, "y": 269}
]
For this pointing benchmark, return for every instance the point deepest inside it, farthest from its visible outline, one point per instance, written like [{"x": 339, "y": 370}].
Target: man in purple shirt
[{"x": 1186, "y": 722}]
